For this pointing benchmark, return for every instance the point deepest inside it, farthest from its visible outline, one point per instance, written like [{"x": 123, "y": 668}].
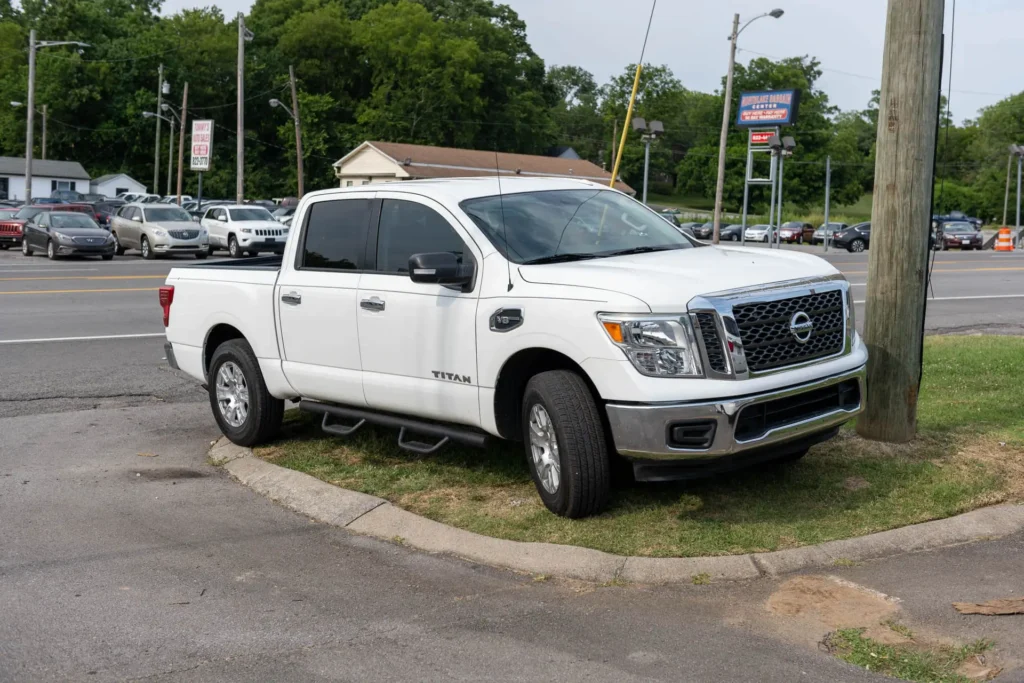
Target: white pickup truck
[{"x": 555, "y": 312}]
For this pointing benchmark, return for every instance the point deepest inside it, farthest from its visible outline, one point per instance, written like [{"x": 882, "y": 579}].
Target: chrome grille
[
  {"x": 10, "y": 229},
  {"x": 765, "y": 329},
  {"x": 268, "y": 232},
  {"x": 90, "y": 240},
  {"x": 183, "y": 234},
  {"x": 712, "y": 342}
]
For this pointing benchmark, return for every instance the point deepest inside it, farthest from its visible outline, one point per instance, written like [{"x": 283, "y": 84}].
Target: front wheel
[
  {"x": 234, "y": 250},
  {"x": 565, "y": 444},
  {"x": 51, "y": 251},
  {"x": 25, "y": 249},
  {"x": 147, "y": 251},
  {"x": 245, "y": 411}
]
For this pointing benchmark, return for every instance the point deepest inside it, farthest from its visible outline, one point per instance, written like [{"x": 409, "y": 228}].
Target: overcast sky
[{"x": 690, "y": 36}]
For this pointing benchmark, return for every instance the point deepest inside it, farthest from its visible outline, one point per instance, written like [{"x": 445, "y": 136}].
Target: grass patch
[
  {"x": 845, "y": 488},
  {"x": 907, "y": 662}
]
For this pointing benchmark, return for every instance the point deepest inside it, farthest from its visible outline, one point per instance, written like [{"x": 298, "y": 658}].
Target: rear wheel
[
  {"x": 856, "y": 246},
  {"x": 565, "y": 444},
  {"x": 118, "y": 249},
  {"x": 243, "y": 407},
  {"x": 147, "y": 251}
]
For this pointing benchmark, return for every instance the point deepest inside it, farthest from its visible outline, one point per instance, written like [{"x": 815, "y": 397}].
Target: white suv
[{"x": 244, "y": 229}]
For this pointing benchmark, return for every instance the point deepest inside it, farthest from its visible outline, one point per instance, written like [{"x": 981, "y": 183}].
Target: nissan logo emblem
[{"x": 801, "y": 327}]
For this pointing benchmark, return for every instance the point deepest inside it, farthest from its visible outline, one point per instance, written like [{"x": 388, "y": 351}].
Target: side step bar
[{"x": 443, "y": 432}]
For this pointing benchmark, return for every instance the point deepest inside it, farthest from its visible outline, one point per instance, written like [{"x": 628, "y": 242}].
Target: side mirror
[
  {"x": 442, "y": 268},
  {"x": 222, "y": 219},
  {"x": 136, "y": 219}
]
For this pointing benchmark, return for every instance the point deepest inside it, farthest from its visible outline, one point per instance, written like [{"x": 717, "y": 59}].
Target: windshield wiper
[
  {"x": 638, "y": 250},
  {"x": 560, "y": 258}
]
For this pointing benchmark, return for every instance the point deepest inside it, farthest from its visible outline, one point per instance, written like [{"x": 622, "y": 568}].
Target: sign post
[{"x": 202, "y": 149}]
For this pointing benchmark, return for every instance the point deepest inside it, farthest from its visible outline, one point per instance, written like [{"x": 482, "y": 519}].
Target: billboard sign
[
  {"x": 202, "y": 144},
  {"x": 768, "y": 108}
]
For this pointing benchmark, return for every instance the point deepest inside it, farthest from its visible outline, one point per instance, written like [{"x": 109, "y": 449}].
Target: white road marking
[
  {"x": 969, "y": 298},
  {"x": 73, "y": 339}
]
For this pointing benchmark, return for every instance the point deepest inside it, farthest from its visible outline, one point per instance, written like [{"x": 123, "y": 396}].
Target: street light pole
[
  {"x": 156, "y": 143},
  {"x": 170, "y": 157},
  {"x": 181, "y": 138},
  {"x": 243, "y": 35},
  {"x": 298, "y": 132},
  {"x": 30, "y": 124},
  {"x": 30, "y": 102},
  {"x": 726, "y": 113}
]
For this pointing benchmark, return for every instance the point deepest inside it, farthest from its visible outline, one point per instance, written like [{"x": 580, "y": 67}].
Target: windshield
[
  {"x": 166, "y": 215},
  {"x": 250, "y": 214},
  {"x": 27, "y": 213},
  {"x": 958, "y": 228},
  {"x": 284, "y": 211},
  {"x": 758, "y": 227},
  {"x": 71, "y": 220},
  {"x": 543, "y": 226}
]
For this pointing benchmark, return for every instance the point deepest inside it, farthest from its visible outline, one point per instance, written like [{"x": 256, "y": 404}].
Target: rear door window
[{"x": 335, "y": 235}]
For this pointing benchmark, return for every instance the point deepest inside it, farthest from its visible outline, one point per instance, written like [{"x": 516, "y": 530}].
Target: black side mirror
[{"x": 442, "y": 268}]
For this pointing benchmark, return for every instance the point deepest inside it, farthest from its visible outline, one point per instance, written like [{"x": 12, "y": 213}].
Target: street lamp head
[
  {"x": 639, "y": 124},
  {"x": 788, "y": 143},
  {"x": 148, "y": 114},
  {"x": 18, "y": 104},
  {"x": 275, "y": 103},
  {"x": 776, "y": 13},
  {"x": 166, "y": 88},
  {"x": 165, "y": 107},
  {"x": 656, "y": 128}
]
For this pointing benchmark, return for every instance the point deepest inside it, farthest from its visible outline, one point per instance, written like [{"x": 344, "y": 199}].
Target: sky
[{"x": 691, "y": 37}]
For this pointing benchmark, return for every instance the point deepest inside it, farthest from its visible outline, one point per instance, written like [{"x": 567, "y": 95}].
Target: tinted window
[
  {"x": 407, "y": 228},
  {"x": 250, "y": 214},
  {"x": 27, "y": 213},
  {"x": 336, "y": 234},
  {"x": 169, "y": 214},
  {"x": 71, "y": 220}
]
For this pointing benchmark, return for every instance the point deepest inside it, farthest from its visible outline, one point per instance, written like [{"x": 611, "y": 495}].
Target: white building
[
  {"x": 113, "y": 184},
  {"x": 386, "y": 162},
  {"x": 47, "y": 175}
]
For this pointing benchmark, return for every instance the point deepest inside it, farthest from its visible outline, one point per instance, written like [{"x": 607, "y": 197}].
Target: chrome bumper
[{"x": 643, "y": 431}]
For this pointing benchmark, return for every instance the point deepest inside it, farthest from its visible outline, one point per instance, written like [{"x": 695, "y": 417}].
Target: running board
[{"x": 444, "y": 433}]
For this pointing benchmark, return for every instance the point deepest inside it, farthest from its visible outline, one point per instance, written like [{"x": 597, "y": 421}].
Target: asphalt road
[{"x": 125, "y": 555}]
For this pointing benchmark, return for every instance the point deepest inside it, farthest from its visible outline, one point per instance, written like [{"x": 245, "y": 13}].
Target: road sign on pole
[{"x": 202, "y": 144}]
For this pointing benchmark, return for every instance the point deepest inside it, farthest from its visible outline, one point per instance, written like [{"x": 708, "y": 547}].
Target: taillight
[{"x": 166, "y": 299}]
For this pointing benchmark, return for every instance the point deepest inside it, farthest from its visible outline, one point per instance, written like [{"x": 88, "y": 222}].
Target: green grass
[
  {"x": 969, "y": 404},
  {"x": 906, "y": 662}
]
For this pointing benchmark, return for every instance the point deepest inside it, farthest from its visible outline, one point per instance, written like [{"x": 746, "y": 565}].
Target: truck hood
[{"x": 667, "y": 280}]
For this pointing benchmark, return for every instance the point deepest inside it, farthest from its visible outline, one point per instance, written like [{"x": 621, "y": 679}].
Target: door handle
[
  {"x": 292, "y": 299},
  {"x": 372, "y": 304}
]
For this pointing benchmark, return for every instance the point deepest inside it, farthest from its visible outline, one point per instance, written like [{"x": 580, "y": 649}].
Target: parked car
[
  {"x": 283, "y": 214},
  {"x": 158, "y": 231},
  {"x": 129, "y": 197},
  {"x": 730, "y": 233},
  {"x": 104, "y": 211},
  {"x": 267, "y": 204},
  {"x": 564, "y": 315},
  {"x": 47, "y": 200},
  {"x": 12, "y": 229},
  {"x": 244, "y": 229},
  {"x": 819, "y": 235},
  {"x": 93, "y": 198},
  {"x": 67, "y": 233},
  {"x": 854, "y": 239},
  {"x": 759, "y": 233},
  {"x": 795, "y": 232},
  {"x": 67, "y": 196},
  {"x": 960, "y": 235},
  {"x": 173, "y": 199},
  {"x": 704, "y": 231}
]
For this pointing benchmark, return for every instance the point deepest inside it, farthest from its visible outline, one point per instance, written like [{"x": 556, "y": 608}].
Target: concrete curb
[{"x": 372, "y": 516}]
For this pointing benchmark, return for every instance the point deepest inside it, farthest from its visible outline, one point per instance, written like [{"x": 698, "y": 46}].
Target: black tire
[
  {"x": 234, "y": 250},
  {"x": 735, "y": 238},
  {"x": 800, "y": 240},
  {"x": 118, "y": 249},
  {"x": 107, "y": 257},
  {"x": 209, "y": 250},
  {"x": 856, "y": 246},
  {"x": 25, "y": 249},
  {"x": 51, "y": 251},
  {"x": 584, "y": 464},
  {"x": 147, "y": 251},
  {"x": 945, "y": 247},
  {"x": 263, "y": 412},
  {"x": 201, "y": 255}
]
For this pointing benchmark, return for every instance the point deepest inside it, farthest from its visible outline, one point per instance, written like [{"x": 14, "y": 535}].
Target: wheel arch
[
  {"x": 516, "y": 373},
  {"x": 218, "y": 334}
]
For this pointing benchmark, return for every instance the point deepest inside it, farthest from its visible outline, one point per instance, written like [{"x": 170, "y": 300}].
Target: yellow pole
[{"x": 625, "y": 128}]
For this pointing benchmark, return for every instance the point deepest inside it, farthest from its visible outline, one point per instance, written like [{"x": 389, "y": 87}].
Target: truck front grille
[
  {"x": 712, "y": 342},
  {"x": 769, "y": 342},
  {"x": 268, "y": 232},
  {"x": 10, "y": 228}
]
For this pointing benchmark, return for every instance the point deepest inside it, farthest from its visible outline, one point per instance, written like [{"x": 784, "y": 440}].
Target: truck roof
[{"x": 459, "y": 189}]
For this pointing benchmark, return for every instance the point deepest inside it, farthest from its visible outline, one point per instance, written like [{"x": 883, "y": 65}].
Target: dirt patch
[
  {"x": 856, "y": 483},
  {"x": 825, "y": 603},
  {"x": 1007, "y": 458}
]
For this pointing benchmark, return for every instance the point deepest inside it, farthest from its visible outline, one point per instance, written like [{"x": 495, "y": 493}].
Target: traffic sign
[{"x": 202, "y": 144}]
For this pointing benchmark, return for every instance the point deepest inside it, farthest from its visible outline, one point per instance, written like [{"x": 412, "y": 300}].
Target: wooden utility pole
[
  {"x": 181, "y": 139},
  {"x": 901, "y": 217},
  {"x": 298, "y": 131}
]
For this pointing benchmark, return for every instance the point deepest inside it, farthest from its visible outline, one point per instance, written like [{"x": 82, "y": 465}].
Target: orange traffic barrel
[{"x": 1005, "y": 240}]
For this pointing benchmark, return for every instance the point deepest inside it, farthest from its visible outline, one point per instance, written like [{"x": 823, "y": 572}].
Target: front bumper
[
  {"x": 14, "y": 240},
  {"x": 84, "y": 250},
  {"x": 647, "y": 432},
  {"x": 276, "y": 246},
  {"x": 172, "y": 246}
]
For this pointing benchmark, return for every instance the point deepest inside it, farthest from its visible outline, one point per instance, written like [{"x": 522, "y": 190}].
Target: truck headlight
[
  {"x": 245, "y": 231},
  {"x": 657, "y": 346}
]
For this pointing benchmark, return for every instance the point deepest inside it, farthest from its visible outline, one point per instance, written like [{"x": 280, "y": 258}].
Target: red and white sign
[
  {"x": 760, "y": 137},
  {"x": 202, "y": 144}
]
